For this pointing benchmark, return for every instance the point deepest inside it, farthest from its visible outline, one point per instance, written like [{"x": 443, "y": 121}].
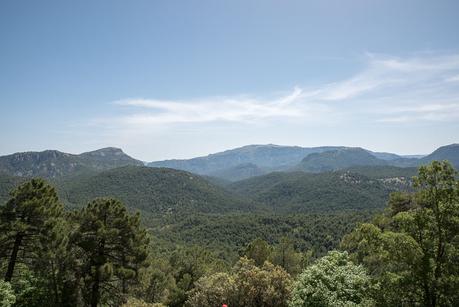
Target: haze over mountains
[
  {"x": 254, "y": 160},
  {"x": 271, "y": 177},
  {"x": 232, "y": 165},
  {"x": 257, "y": 188},
  {"x": 53, "y": 163}
]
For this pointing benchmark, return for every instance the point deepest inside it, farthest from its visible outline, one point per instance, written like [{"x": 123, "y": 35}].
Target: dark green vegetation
[
  {"x": 152, "y": 190},
  {"x": 303, "y": 192},
  {"x": 55, "y": 164},
  {"x": 338, "y": 159},
  {"x": 198, "y": 228},
  {"x": 254, "y": 160},
  {"x": 231, "y": 165},
  {"x": 269, "y": 157},
  {"x": 239, "y": 172},
  {"x": 101, "y": 255},
  {"x": 412, "y": 249}
]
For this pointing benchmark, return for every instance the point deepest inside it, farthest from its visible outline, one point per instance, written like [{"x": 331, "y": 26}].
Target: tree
[
  {"x": 114, "y": 247},
  {"x": 333, "y": 280},
  {"x": 27, "y": 223},
  {"x": 213, "y": 290},
  {"x": 247, "y": 285},
  {"x": 258, "y": 250},
  {"x": 190, "y": 264},
  {"x": 156, "y": 280},
  {"x": 284, "y": 255},
  {"x": 267, "y": 286},
  {"x": 7, "y": 297},
  {"x": 414, "y": 252}
]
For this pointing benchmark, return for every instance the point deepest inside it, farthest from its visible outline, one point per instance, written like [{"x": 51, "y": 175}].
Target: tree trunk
[
  {"x": 13, "y": 258},
  {"x": 95, "y": 288}
]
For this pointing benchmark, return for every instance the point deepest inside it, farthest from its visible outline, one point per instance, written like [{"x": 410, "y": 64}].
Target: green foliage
[
  {"x": 153, "y": 190},
  {"x": 325, "y": 192},
  {"x": 55, "y": 164},
  {"x": 27, "y": 223},
  {"x": 332, "y": 281},
  {"x": 156, "y": 281},
  {"x": 268, "y": 286},
  {"x": 113, "y": 246},
  {"x": 189, "y": 264},
  {"x": 7, "y": 297},
  {"x": 285, "y": 255},
  {"x": 258, "y": 250},
  {"x": 213, "y": 290},
  {"x": 247, "y": 285},
  {"x": 413, "y": 251},
  {"x": 384, "y": 171},
  {"x": 338, "y": 159},
  {"x": 7, "y": 184},
  {"x": 226, "y": 234}
]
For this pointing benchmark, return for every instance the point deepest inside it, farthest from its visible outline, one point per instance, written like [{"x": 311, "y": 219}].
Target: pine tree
[
  {"x": 113, "y": 246},
  {"x": 27, "y": 223}
]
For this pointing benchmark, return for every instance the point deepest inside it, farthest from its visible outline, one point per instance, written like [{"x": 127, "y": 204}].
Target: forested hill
[
  {"x": 338, "y": 159},
  {"x": 55, "y": 164},
  {"x": 269, "y": 157},
  {"x": 232, "y": 165},
  {"x": 255, "y": 160},
  {"x": 325, "y": 192},
  {"x": 449, "y": 152},
  {"x": 152, "y": 190}
]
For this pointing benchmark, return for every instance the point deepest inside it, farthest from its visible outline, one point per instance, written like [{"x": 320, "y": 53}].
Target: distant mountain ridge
[
  {"x": 256, "y": 160},
  {"x": 339, "y": 159},
  {"x": 230, "y": 165},
  {"x": 270, "y": 157},
  {"x": 54, "y": 164}
]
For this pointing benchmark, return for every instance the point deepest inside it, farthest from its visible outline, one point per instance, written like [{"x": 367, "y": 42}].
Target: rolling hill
[
  {"x": 239, "y": 172},
  {"x": 152, "y": 190},
  {"x": 269, "y": 157},
  {"x": 323, "y": 192},
  {"x": 338, "y": 159},
  {"x": 54, "y": 164},
  {"x": 448, "y": 152},
  {"x": 266, "y": 157}
]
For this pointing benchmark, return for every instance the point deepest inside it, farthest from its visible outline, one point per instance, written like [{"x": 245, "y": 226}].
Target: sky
[{"x": 179, "y": 79}]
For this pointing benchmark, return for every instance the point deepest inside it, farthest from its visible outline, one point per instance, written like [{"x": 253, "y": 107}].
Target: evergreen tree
[
  {"x": 114, "y": 247},
  {"x": 284, "y": 255},
  {"x": 414, "y": 251},
  {"x": 27, "y": 223},
  {"x": 258, "y": 250},
  {"x": 7, "y": 297}
]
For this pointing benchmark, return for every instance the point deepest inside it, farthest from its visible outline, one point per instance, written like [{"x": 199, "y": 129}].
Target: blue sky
[{"x": 177, "y": 79}]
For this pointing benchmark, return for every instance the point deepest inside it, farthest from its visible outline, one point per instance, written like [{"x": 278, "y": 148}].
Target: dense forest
[{"x": 104, "y": 254}]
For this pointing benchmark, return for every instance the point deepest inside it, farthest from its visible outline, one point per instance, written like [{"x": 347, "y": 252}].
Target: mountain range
[
  {"x": 231, "y": 165},
  {"x": 254, "y": 160},
  {"x": 252, "y": 183},
  {"x": 53, "y": 163}
]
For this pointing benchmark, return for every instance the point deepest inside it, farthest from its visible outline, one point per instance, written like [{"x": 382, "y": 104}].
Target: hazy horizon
[{"x": 172, "y": 80}]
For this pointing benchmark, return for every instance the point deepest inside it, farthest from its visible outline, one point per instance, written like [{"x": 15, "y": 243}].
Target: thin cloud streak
[{"x": 389, "y": 89}]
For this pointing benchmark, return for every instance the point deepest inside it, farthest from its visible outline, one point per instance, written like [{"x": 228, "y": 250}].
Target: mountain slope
[
  {"x": 54, "y": 164},
  {"x": 306, "y": 192},
  {"x": 270, "y": 157},
  {"x": 227, "y": 164},
  {"x": 7, "y": 184},
  {"x": 153, "y": 190},
  {"x": 338, "y": 159},
  {"x": 448, "y": 152},
  {"x": 239, "y": 172}
]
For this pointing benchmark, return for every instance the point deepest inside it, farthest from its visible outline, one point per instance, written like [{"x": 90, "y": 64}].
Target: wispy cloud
[
  {"x": 389, "y": 89},
  {"x": 231, "y": 109}
]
